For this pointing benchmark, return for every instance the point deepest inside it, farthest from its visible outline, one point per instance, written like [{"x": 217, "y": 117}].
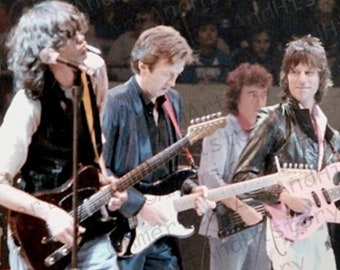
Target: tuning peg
[
  {"x": 204, "y": 118},
  {"x": 306, "y": 166},
  {"x": 194, "y": 121}
]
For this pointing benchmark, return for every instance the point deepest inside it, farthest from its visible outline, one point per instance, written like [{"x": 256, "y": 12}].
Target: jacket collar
[{"x": 301, "y": 117}]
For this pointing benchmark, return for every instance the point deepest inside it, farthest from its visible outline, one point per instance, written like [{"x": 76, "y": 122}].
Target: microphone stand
[{"x": 76, "y": 93}]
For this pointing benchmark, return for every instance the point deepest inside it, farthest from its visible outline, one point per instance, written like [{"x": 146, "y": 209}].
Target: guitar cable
[
  {"x": 206, "y": 241},
  {"x": 273, "y": 237},
  {"x": 262, "y": 236}
]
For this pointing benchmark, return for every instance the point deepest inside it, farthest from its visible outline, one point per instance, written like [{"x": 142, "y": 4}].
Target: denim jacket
[{"x": 127, "y": 142}]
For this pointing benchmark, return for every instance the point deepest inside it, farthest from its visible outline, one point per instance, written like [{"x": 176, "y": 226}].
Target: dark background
[{"x": 112, "y": 18}]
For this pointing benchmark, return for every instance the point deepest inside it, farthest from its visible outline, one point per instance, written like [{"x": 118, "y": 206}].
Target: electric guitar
[
  {"x": 230, "y": 222},
  {"x": 318, "y": 187},
  {"x": 135, "y": 234},
  {"x": 37, "y": 245}
]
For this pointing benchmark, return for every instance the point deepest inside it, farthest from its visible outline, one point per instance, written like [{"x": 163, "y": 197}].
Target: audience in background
[
  {"x": 5, "y": 93},
  {"x": 245, "y": 14},
  {"x": 321, "y": 20},
  {"x": 111, "y": 19},
  {"x": 4, "y": 20},
  {"x": 4, "y": 28},
  {"x": 261, "y": 50},
  {"x": 180, "y": 15},
  {"x": 210, "y": 64},
  {"x": 118, "y": 57}
]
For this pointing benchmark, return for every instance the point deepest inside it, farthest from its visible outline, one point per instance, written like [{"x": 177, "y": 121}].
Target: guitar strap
[
  {"x": 168, "y": 107},
  {"x": 89, "y": 114}
]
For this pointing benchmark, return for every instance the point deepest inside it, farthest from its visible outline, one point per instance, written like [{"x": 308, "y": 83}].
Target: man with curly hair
[
  {"x": 37, "y": 131},
  {"x": 246, "y": 93}
]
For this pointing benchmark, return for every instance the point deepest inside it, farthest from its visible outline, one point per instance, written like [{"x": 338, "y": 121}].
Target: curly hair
[
  {"x": 46, "y": 25},
  {"x": 160, "y": 42},
  {"x": 245, "y": 74},
  {"x": 307, "y": 50}
]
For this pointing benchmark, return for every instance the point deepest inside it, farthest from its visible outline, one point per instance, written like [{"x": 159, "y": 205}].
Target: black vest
[{"x": 49, "y": 161}]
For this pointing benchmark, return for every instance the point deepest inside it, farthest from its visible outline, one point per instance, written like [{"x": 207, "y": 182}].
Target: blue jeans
[
  {"x": 93, "y": 255},
  {"x": 159, "y": 256},
  {"x": 245, "y": 250}
]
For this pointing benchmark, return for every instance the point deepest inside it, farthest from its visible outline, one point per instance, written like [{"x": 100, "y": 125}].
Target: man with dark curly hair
[
  {"x": 246, "y": 93},
  {"x": 37, "y": 131}
]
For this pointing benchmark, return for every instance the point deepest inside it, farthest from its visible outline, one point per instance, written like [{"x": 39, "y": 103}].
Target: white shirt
[
  {"x": 219, "y": 157},
  {"x": 23, "y": 116}
]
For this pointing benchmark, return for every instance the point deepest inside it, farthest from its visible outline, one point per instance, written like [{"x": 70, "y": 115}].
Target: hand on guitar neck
[
  {"x": 202, "y": 204},
  {"x": 118, "y": 198},
  {"x": 60, "y": 225},
  {"x": 156, "y": 216}
]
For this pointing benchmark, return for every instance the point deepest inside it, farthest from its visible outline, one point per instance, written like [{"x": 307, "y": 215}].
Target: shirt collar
[{"x": 148, "y": 103}]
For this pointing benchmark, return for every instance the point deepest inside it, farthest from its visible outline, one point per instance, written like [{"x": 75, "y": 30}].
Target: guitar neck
[
  {"x": 195, "y": 132},
  {"x": 102, "y": 197},
  {"x": 142, "y": 170},
  {"x": 188, "y": 201}
]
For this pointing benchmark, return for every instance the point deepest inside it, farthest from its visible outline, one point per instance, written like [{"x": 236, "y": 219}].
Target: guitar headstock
[
  {"x": 295, "y": 176},
  {"x": 287, "y": 168},
  {"x": 205, "y": 126},
  {"x": 293, "y": 168}
]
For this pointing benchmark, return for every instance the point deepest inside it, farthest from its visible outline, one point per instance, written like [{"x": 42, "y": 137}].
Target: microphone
[
  {"x": 50, "y": 56},
  {"x": 93, "y": 49}
]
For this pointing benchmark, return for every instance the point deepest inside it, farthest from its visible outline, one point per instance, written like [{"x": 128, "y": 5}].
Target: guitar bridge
[
  {"x": 57, "y": 255},
  {"x": 133, "y": 222}
]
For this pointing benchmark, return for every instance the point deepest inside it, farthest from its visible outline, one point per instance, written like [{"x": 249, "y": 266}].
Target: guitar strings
[{"x": 237, "y": 218}]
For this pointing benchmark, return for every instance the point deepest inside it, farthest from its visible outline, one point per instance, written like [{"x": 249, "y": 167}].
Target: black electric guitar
[
  {"x": 230, "y": 222},
  {"x": 32, "y": 234}
]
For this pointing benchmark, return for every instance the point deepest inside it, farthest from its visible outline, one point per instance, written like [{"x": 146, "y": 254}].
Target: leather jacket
[{"x": 286, "y": 131}]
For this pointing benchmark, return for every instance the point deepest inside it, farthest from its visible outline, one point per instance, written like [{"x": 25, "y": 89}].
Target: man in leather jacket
[{"x": 295, "y": 131}]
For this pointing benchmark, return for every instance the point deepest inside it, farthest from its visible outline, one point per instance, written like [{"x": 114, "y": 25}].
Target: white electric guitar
[{"x": 293, "y": 226}]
